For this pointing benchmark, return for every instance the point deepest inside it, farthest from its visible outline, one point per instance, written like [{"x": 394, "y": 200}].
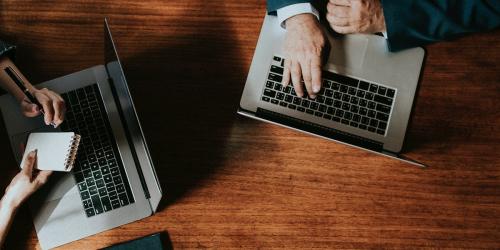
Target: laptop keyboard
[
  {"x": 342, "y": 99},
  {"x": 98, "y": 169}
]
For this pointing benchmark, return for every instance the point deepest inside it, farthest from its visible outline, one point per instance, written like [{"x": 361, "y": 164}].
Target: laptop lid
[{"x": 128, "y": 115}]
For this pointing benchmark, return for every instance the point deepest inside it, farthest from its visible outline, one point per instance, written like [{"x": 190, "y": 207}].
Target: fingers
[
  {"x": 58, "y": 106},
  {"x": 286, "y": 73},
  {"x": 47, "y": 106},
  {"x": 297, "y": 78},
  {"x": 345, "y": 29},
  {"x": 29, "y": 109},
  {"x": 306, "y": 76},
  {"x": 29, "y": 163},
  {"x": 42, "y": 177},
  {"x": 316, "y": 74},
  {"x": 341, "y": 2},
  {"x": 339, "y": 10}
]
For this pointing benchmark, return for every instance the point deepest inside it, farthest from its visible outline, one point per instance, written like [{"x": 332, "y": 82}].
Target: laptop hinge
[
  {"x": 319, "y": 130},
  {"x": 129, "y": 138}
]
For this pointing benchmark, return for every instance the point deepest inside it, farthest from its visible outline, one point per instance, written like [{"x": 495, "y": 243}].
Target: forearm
[
  {"x": 7, "y": 83},
  {"x": 7, "y": 213}
]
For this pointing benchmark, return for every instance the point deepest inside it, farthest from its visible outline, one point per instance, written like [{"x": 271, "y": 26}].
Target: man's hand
[
  {"x": 52, "y": 104},
  {"x": 25, "y": 183},
  {"x": 356, "y": 16},
  {"x": 304, "y": 46}
]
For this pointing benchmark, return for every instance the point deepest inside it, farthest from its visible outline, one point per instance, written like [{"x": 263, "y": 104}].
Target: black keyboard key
[
  {"x": 97, "y": 204},
  {"x": 115, "y": 204},
  {"x": 123, "y": 199},
  {"x": 390, "y": 93},
  {"x": 354, "y": 124},
  {"x": 373, "y": 88},
  {"x": 356, "y": 118},
  {"x": 382, "y": 125},
  {"x": 301, "y": 109},
  {"x": 341, "y": 79},
  {"x": 292, "y": 106},
  {"x": 336, "y": 119},
  {"x": 97, "y": 174},
  {"x": 344, "y": 88},
  {"x": 93, "y": 190},
  {"x": 363, "y": 103},
  {"x": 337, "y": 104},
  {"x": 337, "y": 95},
  {"x": 371, "y": 105},
  {"x": 348, "y": 115},
  {"x": 335, "y": 86},
  {"x": 360, "y": 93},
  {"x": 381, "y": 90},
  {"x": 383, "y": 100},
  {"x": 344, "y": 121},
  {"x": 276, "y": 58},
  {"x": 346, "y": 97},
  {"x": 329, "y": 93},
  {"x": 288, "y": 98},
  {"x": 87, "y": 204},
  {"x": 354, "y": 100},
  {"x": 371, "y": 113},
  {"x": 354, "y": 109},
  {"x": 373, "y": 123},
  {"x": 361, "y": 126},
  {"x": 90, "y": 212},
  {"x": 274, "y": 77},
  {"x": 383, "y": 108},
  {"x": 346, "y": 106},
  {"x": 274, "y": 101},
  {"x": 280, "y": 96},
  {"x": 269, "y": 84},
  {"x": 329, "y": 101},
  {"x": 287, "y": 89},
  {"x": 305, "y": 103},
  {"x": 99, "y": 183},
  {"x": 330, "y": 110},
  {"x": 106, "y": 204},
  {"x": 85, "y": 195},
  {"x": 320, "y": 99},
  {"x": 380, "y": 131},
  {"x": 369, "y": 96},
  {"x": 269, "y": 93},
  {"x": 382, "y": 116},
  {"x": 266, "y": 99},
  {"x": 310, "y": 111},
  {"x": 120, "y": 188},
  {"x": 339, "y": 113},
  {"x": 296, "y": 101},
  {"x": 314, "y": 106},
  {"x": 352, "y": 91},
  {"x": 329, "y": 117},
  {"x": 364, "y": 85},
  {"x": 365, "y": 120},
  {"x": 87, "y": 173},
  {"x": 322, "y": 108},
  {"x": 90, "y": 182},
  {"x": 276, "y": 69}
]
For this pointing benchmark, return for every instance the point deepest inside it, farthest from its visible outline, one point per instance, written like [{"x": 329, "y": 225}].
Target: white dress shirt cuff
[
  {"x": 293, "y": 10},
  {"x": 384, "y": 33}
]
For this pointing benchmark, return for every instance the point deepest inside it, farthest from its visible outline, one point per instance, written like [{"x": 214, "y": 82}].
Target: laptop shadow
[{"x": 186, "y": 90}]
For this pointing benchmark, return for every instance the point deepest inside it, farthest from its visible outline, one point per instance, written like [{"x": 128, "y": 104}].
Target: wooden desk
[{"x": 231, "y": 182}]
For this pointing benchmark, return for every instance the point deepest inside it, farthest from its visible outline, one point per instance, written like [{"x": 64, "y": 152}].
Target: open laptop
[
  {"x": 113, "y": 181},
  {"x": 366, "y": 97}
]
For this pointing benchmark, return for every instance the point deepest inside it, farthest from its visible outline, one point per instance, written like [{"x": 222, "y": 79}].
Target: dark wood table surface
[{"x": 232, "y": 182}]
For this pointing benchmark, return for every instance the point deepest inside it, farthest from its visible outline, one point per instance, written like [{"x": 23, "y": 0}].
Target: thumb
[{"x": 29, "y": 109}]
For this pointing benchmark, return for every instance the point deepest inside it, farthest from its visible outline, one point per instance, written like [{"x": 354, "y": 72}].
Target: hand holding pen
[{"x": 37, "y": 102}]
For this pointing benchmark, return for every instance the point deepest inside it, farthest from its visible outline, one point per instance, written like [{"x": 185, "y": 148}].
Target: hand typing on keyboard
[
  {"x": 52, "y": 104},
  {"x": 304, "y": 45}
]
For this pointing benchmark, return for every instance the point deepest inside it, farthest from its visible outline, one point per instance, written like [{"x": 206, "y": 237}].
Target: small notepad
[{"x": 56, "y": 150}]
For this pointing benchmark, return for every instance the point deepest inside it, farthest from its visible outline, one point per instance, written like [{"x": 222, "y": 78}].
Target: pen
[{"x": 19, "y": 82}]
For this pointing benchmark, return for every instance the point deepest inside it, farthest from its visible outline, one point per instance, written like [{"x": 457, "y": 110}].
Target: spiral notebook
[{"x": 56, "y": 150}]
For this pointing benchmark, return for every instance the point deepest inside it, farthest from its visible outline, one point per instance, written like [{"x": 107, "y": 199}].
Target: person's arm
[
  {"x": 412, "y": 23},
  {"x": 51, "y": 102},
  {"x": 305, "y": 44},
  {"x": 21, "y": 187}
]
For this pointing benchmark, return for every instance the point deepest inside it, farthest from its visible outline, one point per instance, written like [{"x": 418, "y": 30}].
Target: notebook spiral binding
[{"x": 71, "y": 156}]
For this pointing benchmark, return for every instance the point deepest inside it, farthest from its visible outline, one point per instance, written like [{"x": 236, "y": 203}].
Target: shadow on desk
[{"x": 187, "y": 90}]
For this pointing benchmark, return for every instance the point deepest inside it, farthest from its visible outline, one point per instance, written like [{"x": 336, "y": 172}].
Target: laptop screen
[{"x": 130, "y": 120}]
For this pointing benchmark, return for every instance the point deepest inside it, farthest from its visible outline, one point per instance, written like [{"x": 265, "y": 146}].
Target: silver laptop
[
  {"x": 113, "y": 181},
  {"x": 365, "y": 101}
]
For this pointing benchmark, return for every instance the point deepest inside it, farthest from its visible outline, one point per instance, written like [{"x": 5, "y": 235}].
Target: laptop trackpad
[{"x": 348, "y": 51}]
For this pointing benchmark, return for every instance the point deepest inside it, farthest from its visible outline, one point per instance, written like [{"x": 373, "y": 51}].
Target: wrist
[
  {"x": 300, "y": 19},
  {"x": 9, "y": 203}
]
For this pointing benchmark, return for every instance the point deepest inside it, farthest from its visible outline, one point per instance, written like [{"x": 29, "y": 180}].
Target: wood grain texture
[{"x": 231, "y": 182}]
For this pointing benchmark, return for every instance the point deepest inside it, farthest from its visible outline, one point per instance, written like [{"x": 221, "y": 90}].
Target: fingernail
[
  {"x": 312, "y": 96},
  {"x": 316, "y": 88}
]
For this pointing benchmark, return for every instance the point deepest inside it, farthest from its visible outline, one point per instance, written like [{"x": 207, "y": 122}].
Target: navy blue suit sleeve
[
  {"x": 274, "y": 5},
  {"x": 412, "y": 23}
]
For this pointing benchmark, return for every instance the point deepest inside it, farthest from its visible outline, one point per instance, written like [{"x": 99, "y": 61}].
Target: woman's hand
[
  {"x": 52, "y": 104},
  {"x": 25, "y": 182}
]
